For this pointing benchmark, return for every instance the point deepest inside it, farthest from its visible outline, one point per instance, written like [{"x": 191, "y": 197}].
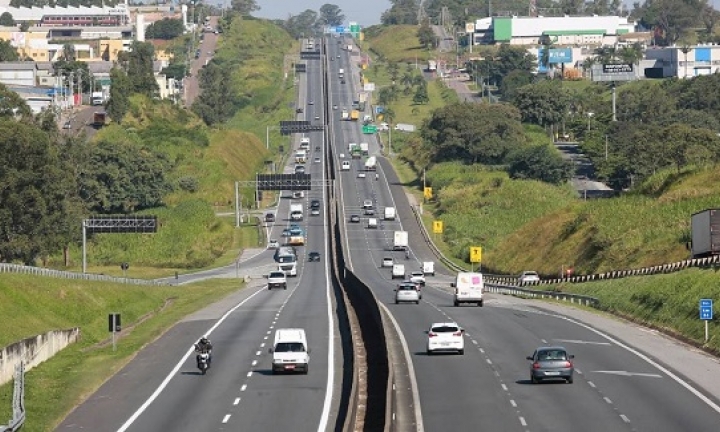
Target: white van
[
  {"x": 390, "y": 213},
  {"x": 305, "y": 143},
  {"x": 469, "y": 288},
  {"x": 398, "y": 271},
  {"x": 372, "y": 223},
  {"x": 429, "y": 268},
  {"x": 345, "y": 166},
  {"x": 290, "y": 351}
]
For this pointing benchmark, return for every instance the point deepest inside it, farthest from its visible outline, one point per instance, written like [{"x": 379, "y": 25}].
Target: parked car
[
  {"x": 407, "y": 293},
  {"x": 445, "y": 337},
  {"x": 528, "y": 277},
  {"x": 551, "y": 363}
]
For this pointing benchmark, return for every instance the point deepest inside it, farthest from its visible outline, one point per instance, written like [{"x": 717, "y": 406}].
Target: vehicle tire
[
  {"x": 285, "y": 287},
  {"x": 456, "y": 304},
  {"x": 397, "y": 302},
  {"x": 570, "y": 380},
  {"x": 480, "y": 303},
  {"x": 533, "y": 379},
  {"x": 428, "y": 352},
  {"x": 269, "y": 288},
  {"x": 204, "y": 371},
  {"x": 306, "y": 370},
  {"x": 417, "y": 302},
  {"x": 461, "y": 352}
]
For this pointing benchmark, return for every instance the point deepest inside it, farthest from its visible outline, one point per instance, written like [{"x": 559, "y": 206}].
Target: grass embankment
[
  {"x": 668, "y": 302},
  {"x": 398, "y": 43},
  {"x": 33, "y": 305}
]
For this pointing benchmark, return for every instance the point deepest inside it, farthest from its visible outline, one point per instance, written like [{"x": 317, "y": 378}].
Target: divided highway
[{"x": 616, "y": 388}]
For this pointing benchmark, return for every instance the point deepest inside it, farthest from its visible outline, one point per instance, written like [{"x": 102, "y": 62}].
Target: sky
[{"x": 364, "y": 12}]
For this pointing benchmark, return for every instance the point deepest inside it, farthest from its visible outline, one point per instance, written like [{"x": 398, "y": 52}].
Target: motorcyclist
[
  {"x": 204, "y": 346},
  {"x": 376, "y": 176}
]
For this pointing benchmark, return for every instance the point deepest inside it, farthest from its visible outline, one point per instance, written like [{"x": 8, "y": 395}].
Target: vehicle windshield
[
  {"x": 286, "y": 258},
  {"x": 289, "y": 347}
]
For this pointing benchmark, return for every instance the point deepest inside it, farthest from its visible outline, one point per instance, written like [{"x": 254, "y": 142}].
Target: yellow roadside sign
[
  {"x": 427, "y": 193},
  {"x": 437, "y": 227},
  {"x": 475, "y": 254}
]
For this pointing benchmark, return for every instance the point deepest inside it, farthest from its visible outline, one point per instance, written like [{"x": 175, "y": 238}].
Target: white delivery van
[
  {"x": 389, "y": 213},
  {"x": 372, "y": 223},
  {"x": 296, "y": 211},
  {"x": 400, "y": 240},
  {"x": 301, "y": 157},
  {"x": 398, "y": 271},
  {"x": 345, "y": 166},
  {"x": 469, "y": 288},
  {"x": 429, "y": 268},
  {"x": 290, "y": 351},
  {"x": 305, "y": 143}
]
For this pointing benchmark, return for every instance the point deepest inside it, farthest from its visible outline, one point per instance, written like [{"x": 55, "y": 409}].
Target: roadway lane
[
  {"x": 488, "y": 387},
  {"x": 162, "y": 390}
]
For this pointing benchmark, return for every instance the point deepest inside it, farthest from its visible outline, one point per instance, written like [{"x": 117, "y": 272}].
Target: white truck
[
  {"x": 469, "y": 288},
  {"x": 371, "y": 163},
  {"x": 365, "y": 148},
  {"x": 305, "y": 143},
  {"x": 349, "y": 48},
  {"x": 404, "y": 127},
  {"x": 390, "y": 213},
  {"x": 290, "y": 351},
  {"x": 345, "y": 115},
  {"x": 398, "y": 271},
  {"x": 428, "y": 268},
  {"x": 97, "y": 98},
  {"x": 296, "y": 211},
  {"x": 400, "y": 240},
  {"x": 301, "y": 157},
  {"x": 341, "y": 72}
]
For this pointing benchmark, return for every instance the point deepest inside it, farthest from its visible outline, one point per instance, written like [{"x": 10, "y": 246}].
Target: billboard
[
  {"x": 560, "y": 55},
  {"x": 617, "y": 68}
]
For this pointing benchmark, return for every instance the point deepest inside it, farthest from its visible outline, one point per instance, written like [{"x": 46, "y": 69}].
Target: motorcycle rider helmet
[{"x": 204, "y": 340}]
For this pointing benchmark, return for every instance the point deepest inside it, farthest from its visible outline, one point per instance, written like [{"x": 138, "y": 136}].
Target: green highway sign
[{"x": 369, "y": 129}]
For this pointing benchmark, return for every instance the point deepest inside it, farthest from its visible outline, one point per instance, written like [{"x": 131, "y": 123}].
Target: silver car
[
  {"x": 407, "y": 293},
  {"x": 551, "y": 363}
]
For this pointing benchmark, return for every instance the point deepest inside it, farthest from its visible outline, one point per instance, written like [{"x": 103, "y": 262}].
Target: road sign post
[
  {"x": 475, "y": 257},
  {"x": 706, "y": 314}
]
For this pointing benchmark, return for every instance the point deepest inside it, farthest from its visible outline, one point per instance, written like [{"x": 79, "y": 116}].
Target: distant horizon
[{"x": 365, "y": 13}]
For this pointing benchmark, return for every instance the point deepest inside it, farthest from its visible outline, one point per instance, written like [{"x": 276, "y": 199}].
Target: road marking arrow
[
  {"x": 626, "y": 373},
  {"x": 582, "y": 342}
]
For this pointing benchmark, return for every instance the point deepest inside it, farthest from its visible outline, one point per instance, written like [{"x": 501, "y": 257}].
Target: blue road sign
[
  {"x": 706, "y": 309},
  {"x": 339, "y": 29}
]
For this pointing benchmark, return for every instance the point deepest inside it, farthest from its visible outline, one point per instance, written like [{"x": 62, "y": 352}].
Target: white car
[
  {"x": 273, "y": 244},
  {"x": 445, "y": 337},
  {"x": 407, "y": 293},
  {"x": 528, "y": 277},
  {"x": 387, "y": 262},
  {"x": 417, "y": 277},
  {"x": 315, "y": 212},
  {"x": 361, "y": 174}
]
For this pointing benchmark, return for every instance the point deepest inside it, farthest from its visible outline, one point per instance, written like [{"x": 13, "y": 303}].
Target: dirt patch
[{"x": 127, "y": 330}]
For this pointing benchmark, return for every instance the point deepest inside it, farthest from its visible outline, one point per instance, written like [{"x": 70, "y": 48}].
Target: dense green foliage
[
  {"x": 8, "y": 52},
  {"x": 6, "y": 19},
  {"x": 166, "y": 29},
  {"x": 401, "y": 12}
]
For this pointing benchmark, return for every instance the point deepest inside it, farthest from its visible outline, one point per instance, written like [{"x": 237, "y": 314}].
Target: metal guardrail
[
  {"x": 18, "y": 403},
  {"x": 39, "y": 271},
  {"x": 523, "y": 292},
  {"x": 445, "y": 260}
]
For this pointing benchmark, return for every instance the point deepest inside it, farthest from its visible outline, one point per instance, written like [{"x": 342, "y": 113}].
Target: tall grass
[{"x": 397, "y": 43}]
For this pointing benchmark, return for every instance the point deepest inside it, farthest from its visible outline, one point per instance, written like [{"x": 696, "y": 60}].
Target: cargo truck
[
  {"x": 389, "y": 213},
  {"x": 400, "y": 240},
  {"x": 345, "y": 115},
  {"x": 371, "y": 164},
  {"x": 99, "y": 119},
  {"x": 705, "y": 233},
  {"x": 354, "y": 115},
  {"x": 365, "y": 148},
  {"x": 97, "y": 98},
  {"x": 402, "y": 127}
]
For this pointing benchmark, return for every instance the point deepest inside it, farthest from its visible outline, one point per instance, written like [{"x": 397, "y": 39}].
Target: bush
[{"x": 188, "y": 184}]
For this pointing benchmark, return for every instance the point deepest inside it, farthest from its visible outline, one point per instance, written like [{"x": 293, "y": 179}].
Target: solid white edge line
[
  {"x": 650, "y": 361},
  {"x": 411, "y": 371},
  {"x": 177, "y": 367},
  {"x": 325, "y": 416}
]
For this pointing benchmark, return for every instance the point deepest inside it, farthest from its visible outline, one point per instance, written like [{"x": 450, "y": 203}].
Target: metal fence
[
  {"x": 18, "y": 403},
  {"x": 39, "y": 271}
]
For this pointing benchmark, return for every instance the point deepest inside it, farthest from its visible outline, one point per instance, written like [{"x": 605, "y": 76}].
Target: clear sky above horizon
[{"x": 365, "y": 13}]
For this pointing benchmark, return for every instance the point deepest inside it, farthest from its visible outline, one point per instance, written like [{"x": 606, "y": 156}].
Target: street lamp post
[{"x": 589, "y": 115}]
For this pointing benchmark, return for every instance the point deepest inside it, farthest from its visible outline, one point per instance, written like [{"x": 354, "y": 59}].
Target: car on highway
[
  {"x": 316, "y": 160},
  {"x": 334, "y": 107},
  {"x": 552, "y": 362},
  {"x": 269, "y": 217},
  {"x": 317, "y": 117},
  {"x": 345, "y": 166},
  {"x": 295, "y": 230},
  {"x": 418, "y": 286},
  {"x": 315, "y": 204},
  {"x": 273, "y": 244},
  {"x": 286, "y": 233},
  {"x": 417, "y": 277},
  {"x": 354, "y": 218},
  {"x": 528, "y": 277},
  {"x": 299, "y": 110},
  {"x": 315, "y": 212},
  {"x": 361, "y": 174},
  {"x": 445, "y": 337},
  {"x": 310, "y": 102},
  {"x": 342, "y": 81},
  {"x": 388, "y": 262},
  {"x": 299, "y": 169},
  {"x": 407, "y": 293},
  {"x": 314, "y": 256},
  {"x": 277, "y": 279}
]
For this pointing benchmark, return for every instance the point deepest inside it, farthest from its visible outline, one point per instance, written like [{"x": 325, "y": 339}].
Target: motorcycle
[{"x": 203, "y": 362}]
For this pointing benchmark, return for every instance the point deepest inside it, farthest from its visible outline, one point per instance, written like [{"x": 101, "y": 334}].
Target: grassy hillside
[
  {"x": 32, "y": 305},
  {"x": 397, "y": 43}
]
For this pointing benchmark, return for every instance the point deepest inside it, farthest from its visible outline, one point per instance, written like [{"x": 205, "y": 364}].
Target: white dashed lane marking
[{"x": 226, "y": 418}]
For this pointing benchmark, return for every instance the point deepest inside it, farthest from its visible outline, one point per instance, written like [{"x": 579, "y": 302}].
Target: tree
[
  {"x": 120, "y": 90},
  {"x": 513, "y": 81},
  {"x": 401, "y": 12},
  {"x": 426, "y": 35},
  {"x": 7, "y": 51},
  {"x": 644, "y": 102},
  {"x": 12, "y": 105},
  {"x": 331, "y": 15},
  {"x": 68, "y": 52},
  {"x": 6, "y": 20},
  {"x": 138, "y": 64},
  {"x": 545, "y": 103},
  {"x": 509, "y": 58},
  {"x": 541, "y": 162},
  {"x": 37, "y": 194},
  {"x": 421, "y": 96},
  {"x": 473, "y": 133},
  {"x": 165, "y": 29},
  {"x": 302, "y": 25},
  {"x": 176, "y": 71},
  {"x": 244, "y": 7},
  {"x": 671, "y": 17},
  {"x": 215, "y": 103}
]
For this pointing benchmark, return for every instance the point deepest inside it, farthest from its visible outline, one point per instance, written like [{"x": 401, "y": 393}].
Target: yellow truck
[{"x": 354, "y": 115}]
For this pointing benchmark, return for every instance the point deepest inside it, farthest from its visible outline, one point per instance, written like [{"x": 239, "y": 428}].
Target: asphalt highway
[
  {"x": 161, "y": 389},
  {"x": 617, "y": 386}
]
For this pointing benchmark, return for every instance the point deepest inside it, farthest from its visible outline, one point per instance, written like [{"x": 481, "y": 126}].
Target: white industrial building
[
  {"x": 575, "y": 31},
  {"x": 682, "y": 61}
]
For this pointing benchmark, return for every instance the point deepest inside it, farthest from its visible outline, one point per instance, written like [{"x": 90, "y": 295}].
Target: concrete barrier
[{"x": 34, "y": 350}]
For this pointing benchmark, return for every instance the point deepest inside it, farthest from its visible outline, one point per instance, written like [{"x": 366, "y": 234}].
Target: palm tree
[
  {"x": 631, "y": 54},
  {"x": 68, "y": 52}
]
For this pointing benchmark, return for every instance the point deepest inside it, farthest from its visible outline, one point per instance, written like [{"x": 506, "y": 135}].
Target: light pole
[
  {"x": 685, "y": 50},
  {"x": 589, "y": 115}
]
